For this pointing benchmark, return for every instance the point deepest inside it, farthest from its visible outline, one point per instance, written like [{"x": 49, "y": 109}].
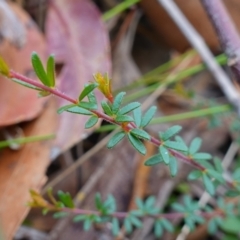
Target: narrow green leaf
[
  {"x": 150, "y": 201},
  {"x": 195, "y": 175},
  {"x": 165, "y": 154},
  {"x": 110, "y": 204},
  {"x": 208, "y": 184},
  {"x": 26, "y": 84},
  {"x": 178, "y": 207},
  {"x": 43, "y": 93},
  {"x": 98, "y": 201},
  {"x": 66, "y": 199},
  {"x": 175, "y": 145},
  {"x": 216, "y": 175},
  {"x": 65, "y": 108},
  {"x": 88, "y": 105},
  {"x": 158, "y": 229},
  {"x": 135, "y": 221},
  {"x": 79, "y": 110},
  {"x": 212, "y": 226},
  {"x": 79, "y": 218},
  {"x": 140, "y": 133},
  {"x": 124, "y": 118},
  {"x": 128, "y": 108},
  {"x": 167, "y": 225},
  {"x": 190, "y": 223},
  {"x": 4, "y": 69},
  {"x": 115, "y": 226},
  {"x": 232, "y": 193},
  {"x": 106, "y": 108},
  {"x": 136, "y": 143},
  {"x": 179, "y": 139},
  {"x": 88, "y": 89},
  {"x": 91, "y": 122},
  {"x": 173, "y": 166},
  {"x": 218, "y": 165},
  {"x": 116, "y": 139},
  {"x": 139, "y": 203},
  {"x": 171, "y": 132},
  {"x": 58, "y": 215},
  {"x": 87, "y": 224},
  {"x": 39, "y": 69},
  {"x": 137, "y": 114},
  {"x": 148, "y": 116},
  {"x": 154, "y": 160},
  {"x": 117, "y": 102},
  {"x": 236, "y": 174},
  {"x": 51, "y": 70},
  {"x": 127, "y": 225},
  {"x": 202, "y": 156},
  {"x": 92, "y": 98},
  {"x": 195, "y": 145}
]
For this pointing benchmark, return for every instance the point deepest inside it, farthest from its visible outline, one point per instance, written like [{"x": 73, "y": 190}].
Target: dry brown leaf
[
  {"x": 16, "y": 102},
  {"x": 79, "y": 40},
  {"x": 22, "y": 170}
]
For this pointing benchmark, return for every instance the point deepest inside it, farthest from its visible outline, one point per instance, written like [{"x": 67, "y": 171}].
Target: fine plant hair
[{"x": 132, "y": 124}]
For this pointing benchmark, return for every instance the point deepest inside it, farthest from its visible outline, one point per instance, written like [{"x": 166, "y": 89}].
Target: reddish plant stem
[
  {"x": 226, "y": 31},
  {"x": 56, "y": 92}
]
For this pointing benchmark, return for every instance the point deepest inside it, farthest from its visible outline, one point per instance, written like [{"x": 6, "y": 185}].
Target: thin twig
[
  {"x": 197, "y": 42},
  {"x": 226, "y": 32}
]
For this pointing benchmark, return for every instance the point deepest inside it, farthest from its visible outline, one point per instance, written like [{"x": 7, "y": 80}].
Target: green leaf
[
  {"x": 87, "y": 224},
  {"x": 136, "y": 143},
  {"x": 39, "y": 69},
  {"x": 212, "y": 226},
  {"x": 173, "y": 166},
  {"x": 171, "y": 132},
  {"x": 175, "y": 145},
  {"x": 106, "y": 108},
  {"x": 91, "y": 122},
  {"x": 127, "y": 225},
  {"x": 150, "y": 201},
  {"x": 124, "y": 118},
  {"x": 128, "y": 108},
  {"x": 140, "y": 133},
  {"x": 88, "y": 105},
  {"x": 232, "y": 193},
  {"x": 65, "y": 108},
  {"x": 137, "y": 114},
  {"x": 110, "y": 204},
  {"x": 216, "y": 175},
  {"x": 115, "y": 139},
  {"x": 98, "y": 201},
  {"x": 4, "y": 69},
  {"x": 79, "y": 218},
  {"x": 201, "y": 156},
  {"x": 88, "y": 89},
  {"x": 79, "y": 110},
  {"x": 26, "y": 84},
  {"x": 231, "y": 225},
  {"x": 51, "y": 70},
  {"x": 190, "y": 223},
  {"x": 43, "y": 93},
  {"x": 208, "y": 184},
  {"x": 218, "y": 165},
  {"x": 115, "y": 227},
  {"x": 66, "y": 199},
  {"x": 139, "y": 203},
  {"x": 195, "y": 145},
  {"x": 167, "y": 225},
  {"x": 60, "y": 215},
  {"x": 178, "y": 207},
  {"x": 154, "y": 160},
  {"x": 236, "y": 174},
  {"x": 165, "y": 154},
  {"x": 92, "y": 98},
  {"x": 158, "y": 229},
  {"x": 117, "y": 102},
  {"x": 148, "y": 116},
  {"x": 195, "y": 175},
  {"x": 135, "y": 221}
]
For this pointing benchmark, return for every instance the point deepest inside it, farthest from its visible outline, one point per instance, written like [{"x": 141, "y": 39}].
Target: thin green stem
[
  {"x": 25, "y": 140},
  {"x": 118, "y": 9}
]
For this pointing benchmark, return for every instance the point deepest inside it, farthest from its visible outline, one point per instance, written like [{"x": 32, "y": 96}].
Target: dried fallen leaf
[
  {"x": 16, "y": 102},
  {"x": 79, "y": 40}
]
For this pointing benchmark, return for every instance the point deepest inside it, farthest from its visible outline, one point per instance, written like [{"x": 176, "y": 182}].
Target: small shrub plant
[{"x": 171, "y": 149}]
